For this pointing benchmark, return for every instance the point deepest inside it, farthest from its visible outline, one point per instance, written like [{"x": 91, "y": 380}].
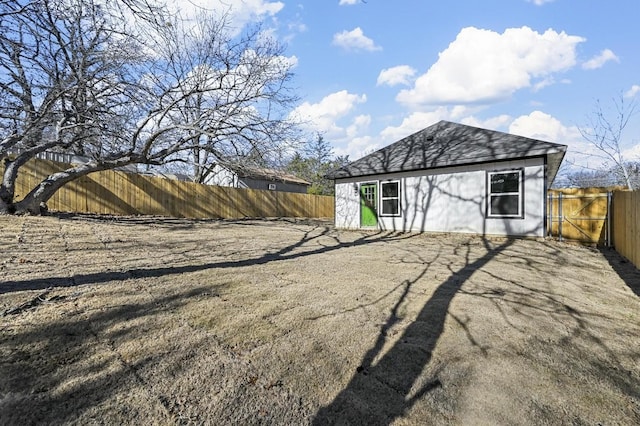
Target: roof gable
[{"x": 447, "y": 144}]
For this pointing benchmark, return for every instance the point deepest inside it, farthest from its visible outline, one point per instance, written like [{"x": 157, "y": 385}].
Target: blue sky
[{"x": 371, "y": 73}]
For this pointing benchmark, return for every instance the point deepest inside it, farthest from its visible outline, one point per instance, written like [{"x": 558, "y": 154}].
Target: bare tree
[
  {"x": 74, "y": 78},
  {"x": 232, "y": 90},
  {"x": 604, "y": 131},
  {"x": 57, "y": 81}
]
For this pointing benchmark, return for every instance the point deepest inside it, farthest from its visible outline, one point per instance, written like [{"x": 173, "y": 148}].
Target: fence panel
[
  {"x": 626, "y": 225},
  {"x": 121, "y": 193},
  {"x": 579, "y": 214}
]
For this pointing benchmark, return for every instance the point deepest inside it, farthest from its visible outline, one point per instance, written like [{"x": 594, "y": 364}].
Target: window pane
[
  {"x": 505, "y": 182},
  {"x": 390, "y": 189},
  {"x": 505, "y": 205},
  {"x": 390, "y": 207}
]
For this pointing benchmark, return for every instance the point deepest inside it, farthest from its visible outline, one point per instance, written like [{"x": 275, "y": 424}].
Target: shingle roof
[
  {"x": 268, "y": 174},
  {"x": 447, "y": 144}
]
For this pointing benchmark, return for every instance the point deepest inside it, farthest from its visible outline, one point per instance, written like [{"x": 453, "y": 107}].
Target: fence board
[
  {"x": 626, "y": 228},
  {"x": 120, "y": 193}
]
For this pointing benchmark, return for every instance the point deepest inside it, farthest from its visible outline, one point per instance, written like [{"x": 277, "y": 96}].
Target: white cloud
[
  {"x": 600, "y": 59},
  {"x": 635, "y": 89},
  {"x": 327, "y": 117},
  {"x": 298, "y": 27},
  {"x": 543, "y": 83},
  {"x": 412, "y": 123},
  {"x": 323, "y": 116},
  {"x": 241, "y": 12},
  {"x": 484, "y": 66},
  {"x": 459, "y": 111},
  {"x": 540, "y": 125},
  {"x": 348, "y": 2},
  {"x": 294, "y": 26},
  {"x": 402, "y": 74},
  {"x": 359, "y": 124},
  {"x": 353, "y": 139},
  {"x": 540, "y": 2},
  {"x": 494, "y": 123},
  {"x": 354, "y": 40},
  {"x": 288, "y": 61},
  {"x": 358, "y": 147},
  {"x": 253, "y": 8},
  {"x": 632, "y": 154}
]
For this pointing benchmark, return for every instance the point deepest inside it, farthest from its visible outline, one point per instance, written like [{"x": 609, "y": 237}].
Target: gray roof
[
  {"x": 447, "y": 144},
  {"x": 262, "y": 173}
]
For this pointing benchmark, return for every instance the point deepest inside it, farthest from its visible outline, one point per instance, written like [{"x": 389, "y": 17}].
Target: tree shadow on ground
[
  {"x": 291, "y": 251},
  {"x": 624, "y": 268},
  {"x": 381, "y": 393},
  {"x": 55, "y": 371},
  {"x": 386, "y": 385},
  {"x": 181, "y": 222}
]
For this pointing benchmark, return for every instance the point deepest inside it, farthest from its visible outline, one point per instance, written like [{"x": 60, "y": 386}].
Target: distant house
[
  {"x": 256, "y": 178},
  {"x": 72, "y": 159},
  {"x": 450, "y": 177}
]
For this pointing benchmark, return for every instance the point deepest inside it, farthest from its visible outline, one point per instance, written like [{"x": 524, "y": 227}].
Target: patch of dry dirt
[{"x": 160, "y": 321}]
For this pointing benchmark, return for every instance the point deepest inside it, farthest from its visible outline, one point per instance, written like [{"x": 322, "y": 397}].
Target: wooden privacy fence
[
  {"x": 580, "y": 214},
  {"x": 119, "y": 193},
  {"x": 626, "y": 229},
  {"x": 598, "y": 216}
]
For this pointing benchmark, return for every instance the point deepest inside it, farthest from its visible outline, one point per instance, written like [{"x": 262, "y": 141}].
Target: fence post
[
  {"x": 550, "y": 214},
  {"x": 560, "y": 216},
  {"x": 608, "y": 241}
]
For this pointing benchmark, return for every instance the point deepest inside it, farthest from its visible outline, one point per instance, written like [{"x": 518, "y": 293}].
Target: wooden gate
[{"x": 580, "y": 214}]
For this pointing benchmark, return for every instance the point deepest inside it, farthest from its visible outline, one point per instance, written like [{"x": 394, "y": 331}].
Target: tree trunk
[
  {"x": 4, "y": 208},
  {"x": 627, "y": 178},
  {"x": 10, "y": 175},
  {"x": 8, "y": 185}
]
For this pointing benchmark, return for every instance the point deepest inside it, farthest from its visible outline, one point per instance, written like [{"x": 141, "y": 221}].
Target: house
[
  {"x": 256, "y": 178},
  {"x": 450, "y": 177}
]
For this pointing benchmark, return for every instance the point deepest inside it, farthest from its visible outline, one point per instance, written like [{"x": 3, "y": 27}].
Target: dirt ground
[{"x": 166, "y": 321}]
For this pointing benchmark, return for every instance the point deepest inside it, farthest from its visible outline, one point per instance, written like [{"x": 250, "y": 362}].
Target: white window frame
[
  {"x": 383, "y": 198},
  {"x": 519, "y": 193}
]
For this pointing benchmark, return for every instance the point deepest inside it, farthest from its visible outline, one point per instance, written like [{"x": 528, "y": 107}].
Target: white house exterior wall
[
  {"x": 221, "y": 176},
  {"x": 450, "y": 200}
]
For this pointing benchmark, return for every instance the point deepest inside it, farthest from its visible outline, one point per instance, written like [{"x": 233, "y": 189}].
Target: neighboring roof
[
  {"x": 267, "y": 174},
  {"x": 447, "y": 144}
]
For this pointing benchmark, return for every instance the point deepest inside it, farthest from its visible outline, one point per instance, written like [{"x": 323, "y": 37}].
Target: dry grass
[{"x": 139, "y": 320}]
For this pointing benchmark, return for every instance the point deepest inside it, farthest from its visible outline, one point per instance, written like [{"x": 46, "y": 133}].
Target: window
[
  {"x": 505, "y": 194},
  {"x": 390, "y": 195}
]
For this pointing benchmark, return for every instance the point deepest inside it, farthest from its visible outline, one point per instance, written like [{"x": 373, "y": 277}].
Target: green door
[{"x": 369, "y": 204}]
